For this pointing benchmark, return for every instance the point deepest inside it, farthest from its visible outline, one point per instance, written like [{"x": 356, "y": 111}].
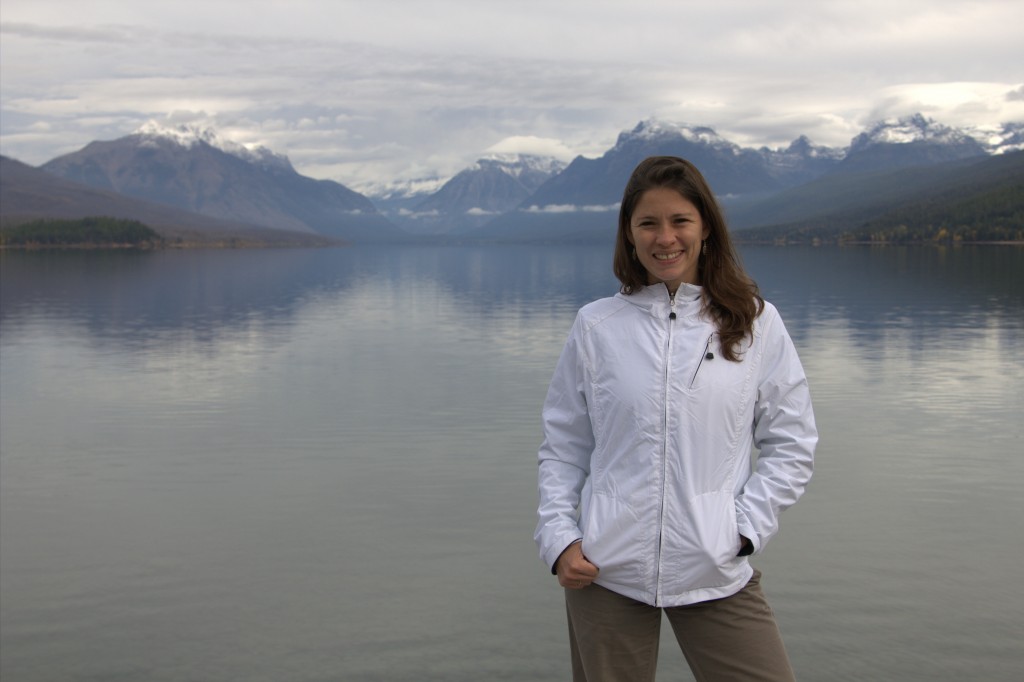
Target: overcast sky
[{"x": 370, "y": 91}]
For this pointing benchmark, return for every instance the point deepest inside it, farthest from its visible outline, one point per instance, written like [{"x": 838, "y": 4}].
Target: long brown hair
[{"x": 730, "y": 296}]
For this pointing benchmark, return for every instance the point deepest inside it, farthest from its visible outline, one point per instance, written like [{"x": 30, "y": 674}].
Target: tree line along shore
[
  {"x": 93, "y": 231},
  {"x": 104, "y": 232}
]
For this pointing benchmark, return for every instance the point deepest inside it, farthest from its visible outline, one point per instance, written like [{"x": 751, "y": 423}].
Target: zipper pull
[{"x": 672, "y": 304}]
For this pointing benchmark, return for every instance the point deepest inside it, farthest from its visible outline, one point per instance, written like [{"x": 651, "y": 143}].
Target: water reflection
[
  {"x": 132, "y": 298},
  {"x": 319, "y": 464},
  {"x": 929, "y": 292},
  {"x": 125, "y": 297}
]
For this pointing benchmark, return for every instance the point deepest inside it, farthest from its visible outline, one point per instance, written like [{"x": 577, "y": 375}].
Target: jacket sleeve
[
  {"x": 564, "y": 456},
  {"x": 784, "y": 433}
]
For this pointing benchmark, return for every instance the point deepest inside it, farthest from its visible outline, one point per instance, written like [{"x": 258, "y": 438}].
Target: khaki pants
[{"x": 615, "y": 639}]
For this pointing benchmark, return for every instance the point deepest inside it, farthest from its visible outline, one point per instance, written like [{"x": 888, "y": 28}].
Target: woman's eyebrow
[{"x": 686, "y": 213}]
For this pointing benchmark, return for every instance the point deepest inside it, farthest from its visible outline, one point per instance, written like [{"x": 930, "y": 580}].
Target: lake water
[{"x": 312, "y": 465}]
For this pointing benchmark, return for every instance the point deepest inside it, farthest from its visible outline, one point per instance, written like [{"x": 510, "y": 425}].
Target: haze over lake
[{"x": 313, "y": 465}]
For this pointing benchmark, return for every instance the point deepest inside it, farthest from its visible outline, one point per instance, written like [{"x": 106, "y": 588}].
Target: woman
[{"x": 647, "y": 500}]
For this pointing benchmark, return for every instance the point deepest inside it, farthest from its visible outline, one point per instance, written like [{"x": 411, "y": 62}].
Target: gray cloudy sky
[{"x": 368, "y": 91}]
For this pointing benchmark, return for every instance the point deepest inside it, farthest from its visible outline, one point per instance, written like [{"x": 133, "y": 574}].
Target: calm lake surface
[{"x": 312, "y": 465}]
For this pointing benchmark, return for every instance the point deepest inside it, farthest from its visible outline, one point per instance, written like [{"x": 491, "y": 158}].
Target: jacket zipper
[{"x": 664, "y": 447}]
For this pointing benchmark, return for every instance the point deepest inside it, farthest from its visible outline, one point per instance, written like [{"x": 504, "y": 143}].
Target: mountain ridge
[
  {"x": 522, "y": 197},
  {"x": 28, "y": 193},
  {"x": 491, "y": 186},
  {"x": 189, "y": 169},
  {"x": 748, "y": 182},
  {"x": 976, "y": 199}
]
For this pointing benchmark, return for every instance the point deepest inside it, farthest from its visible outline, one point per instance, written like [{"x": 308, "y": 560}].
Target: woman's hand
[
  {"x": 573, "y": 569},
  {"x": 746, "y": 546}
]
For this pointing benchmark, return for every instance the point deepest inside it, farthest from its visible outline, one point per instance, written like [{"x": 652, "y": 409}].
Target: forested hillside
[
  {"x": 977, "y": 201},
  {"x": 91, "y": 231}
]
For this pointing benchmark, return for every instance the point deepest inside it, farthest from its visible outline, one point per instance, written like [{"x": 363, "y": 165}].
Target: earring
[
  {"x": 704, "y": 247},
  {"x": 634, "y": 255}
]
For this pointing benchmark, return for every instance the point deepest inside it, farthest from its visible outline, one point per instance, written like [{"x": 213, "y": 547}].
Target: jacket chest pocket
[
  {"x": 718, "y": 395},
  {"x": 707, "y": 424}
]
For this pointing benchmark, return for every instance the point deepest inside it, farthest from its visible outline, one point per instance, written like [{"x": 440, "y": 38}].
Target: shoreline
[
  {"x": 183, "y": 246},
  {"x": 833, "y": 242}
]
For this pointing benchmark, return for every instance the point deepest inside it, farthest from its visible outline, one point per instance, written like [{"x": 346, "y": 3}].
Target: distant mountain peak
[
  {"x": 802, "y": 145},
  {"x": 518, "y": 164},
  {"x": 908, "y": 141},
  {"x": 1003, "y": 139},
  {"x": 189, "y": 135},
  {"x": 193, "y": 169},
  {"x": 655, "y": 129},
  {"x": 185, "y": 135},
  {"x": 907, "y": 130}
]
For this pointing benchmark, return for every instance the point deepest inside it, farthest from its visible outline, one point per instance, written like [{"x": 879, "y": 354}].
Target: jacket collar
[{"x": 654, "y": 299}]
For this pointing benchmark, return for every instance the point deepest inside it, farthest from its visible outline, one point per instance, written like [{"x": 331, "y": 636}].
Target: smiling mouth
[{"x": 667, "y": 256}]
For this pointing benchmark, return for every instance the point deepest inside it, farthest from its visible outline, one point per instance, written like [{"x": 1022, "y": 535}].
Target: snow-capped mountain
[
  {"x": 523, "y": 166},
  {"x": 657, "y": 131},
  {"x": 411, "y": 190},
  {"x": 582, "y": 199},
  {"x": 799, "y": 162},
  {"x": 1009, "y": 137},
  {"x": 588, "y": 191},
  {"x": 908, "y": 130},
  {"x": 475, "y": 195},
  {"x": 195, "y": 170},
  {"x": 28, "y": 193},
  {"x": 189, "y": 135},
  {"x": 906, "y": 142},
  {"x": 729, "y": 168}
]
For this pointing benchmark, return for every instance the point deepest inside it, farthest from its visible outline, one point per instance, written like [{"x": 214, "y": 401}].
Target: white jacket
[{"x": 647, "y": 452}]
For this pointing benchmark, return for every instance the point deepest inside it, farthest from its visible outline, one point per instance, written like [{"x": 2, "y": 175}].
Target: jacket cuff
[{"x": 555, "y": 562}]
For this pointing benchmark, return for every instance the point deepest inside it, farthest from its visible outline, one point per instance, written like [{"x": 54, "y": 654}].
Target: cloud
[
  {"x": 952, "y": 103},
  {"x": 402, "y": 90},
  {"x": 531, "y": 144},
  {"x": 570, "y": 208},
  {"x": 65, "y": 34},
  {"x": 416, "y": 215}
]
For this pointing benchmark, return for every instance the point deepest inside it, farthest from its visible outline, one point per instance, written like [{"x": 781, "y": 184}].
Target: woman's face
[{"x": 666, "y": 230}]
